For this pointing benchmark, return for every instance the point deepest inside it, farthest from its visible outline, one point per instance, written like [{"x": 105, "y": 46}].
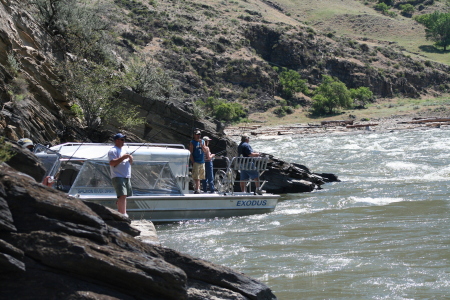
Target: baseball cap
[
  {"x": 119, "y": 136},
  {"x": 205, "y": 138},
  {"x": 197, "y": 132},
  {"x": 25, "y": 142},
  {"x": 244, "y": 138}
]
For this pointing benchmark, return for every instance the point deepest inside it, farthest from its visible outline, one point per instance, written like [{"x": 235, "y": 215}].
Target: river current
[{"x": 383, "y": 232}]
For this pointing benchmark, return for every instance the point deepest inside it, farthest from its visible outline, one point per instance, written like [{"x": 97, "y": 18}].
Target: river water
[{"x": 381, "y": 233}]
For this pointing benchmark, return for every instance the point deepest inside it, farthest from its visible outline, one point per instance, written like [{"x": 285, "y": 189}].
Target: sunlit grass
[
  {"x": 406, "y": 32},
  {"x": 383, "y": 108}
]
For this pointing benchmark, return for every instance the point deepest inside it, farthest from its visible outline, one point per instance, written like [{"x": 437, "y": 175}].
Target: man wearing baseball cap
[
  {"x": 245, "y": 150},
  {"x": 120, "y": 165},
  {"x": 196, "y": 147}
]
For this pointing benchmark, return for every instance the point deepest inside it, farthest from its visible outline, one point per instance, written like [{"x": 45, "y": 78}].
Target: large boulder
[
  {"x": 25, "y": 161},
  {"x": 53, "y": 246}
]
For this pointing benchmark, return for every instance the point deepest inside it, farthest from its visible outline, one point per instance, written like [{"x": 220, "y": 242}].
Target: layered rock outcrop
[
  {"x": 32, "y": 103},
  {"x": 53, "y": 246},
  {"x": 355, "y": 64}
]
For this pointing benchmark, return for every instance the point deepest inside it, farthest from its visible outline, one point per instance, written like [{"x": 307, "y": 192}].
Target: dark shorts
[
  {"x": 245, "y": 175},
  {"x": 122, "y": 186}
]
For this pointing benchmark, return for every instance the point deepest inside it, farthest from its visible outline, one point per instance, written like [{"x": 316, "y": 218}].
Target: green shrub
[
  {"x": 361, "y": 96},
  {"x": 221, "y": 109},
  {"x": 289, "y": 110},
  {"x": 14, "y": 65},
  {"x": 292, "y": 83},
  {"x": 229, "y": 111},
  {"x": 407, "y": 9},
  {"x": 382, "y": 7},
  {"x": 18, "y": 88},
  {"x": 95, "y": 90},
  {"x": 151, "y": 81},
  {"x": 282, "y": 111},
  {"x": 387, "y": 2},
  {"x": 5, "y": 150},
  {"x": 82, "y": 25},
  {"x": 279, "y": 111},
  {"x": 77, "y": 111},
  {"x": 391, "y": 14}
]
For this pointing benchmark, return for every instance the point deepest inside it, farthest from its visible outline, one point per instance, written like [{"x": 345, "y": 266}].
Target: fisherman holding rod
[{"x": 120, "y": 166}]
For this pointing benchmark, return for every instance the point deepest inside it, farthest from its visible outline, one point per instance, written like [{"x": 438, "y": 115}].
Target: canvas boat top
[{"x": 83, "y": 168}]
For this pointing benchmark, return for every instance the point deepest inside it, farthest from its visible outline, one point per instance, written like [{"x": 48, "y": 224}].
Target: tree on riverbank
[
  {"x": 437, "y": 28},
  {"x": 330, "y": 95}
]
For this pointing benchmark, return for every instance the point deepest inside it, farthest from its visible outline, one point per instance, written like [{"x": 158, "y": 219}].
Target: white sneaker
[
  {"x": 125, "y": 215},
  {"x": 258, "y": 191}
]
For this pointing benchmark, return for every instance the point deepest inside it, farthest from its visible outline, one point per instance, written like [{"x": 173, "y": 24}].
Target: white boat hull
[
  {"x": 161, "y": 209},
  {"x": 160, "y": 182}
]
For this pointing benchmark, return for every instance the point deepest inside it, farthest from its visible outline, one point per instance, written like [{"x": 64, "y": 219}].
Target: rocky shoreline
[{"x": 53, "y": 246}]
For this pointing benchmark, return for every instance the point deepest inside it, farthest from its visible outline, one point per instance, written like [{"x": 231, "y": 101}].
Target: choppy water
[{"x": 381, "y": 233}]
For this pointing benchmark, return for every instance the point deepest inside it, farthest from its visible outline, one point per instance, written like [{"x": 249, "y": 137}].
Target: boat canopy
[
  {"x": 176, "y": 155},
  {"x": 148, "y": 178},
  {"x": 66, "y": 160}
]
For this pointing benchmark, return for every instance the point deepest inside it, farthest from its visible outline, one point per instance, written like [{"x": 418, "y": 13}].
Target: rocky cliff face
[
  {"x": 53, "y": 246},
  {"x": 32, "y": 104}
]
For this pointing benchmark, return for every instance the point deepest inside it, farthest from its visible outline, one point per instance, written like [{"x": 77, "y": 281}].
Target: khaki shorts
[
  {"x": 122, "y": 186},
  {"x": 198, "y": 171}
]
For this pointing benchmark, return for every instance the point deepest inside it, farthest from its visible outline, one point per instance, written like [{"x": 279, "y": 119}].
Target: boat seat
[{"x": 258, "y": 164}]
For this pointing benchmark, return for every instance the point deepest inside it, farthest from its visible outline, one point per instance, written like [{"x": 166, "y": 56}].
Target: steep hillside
[
  {"x": 359, "y": 20},
  {"x": 227, "y": 49},
  {"x": 197, "y": 49}
]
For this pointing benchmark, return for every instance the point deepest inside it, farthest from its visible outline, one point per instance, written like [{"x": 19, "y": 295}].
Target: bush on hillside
[
  {"x": 151, "y": 81},
  {"x": 81, "y": 25},
  {"x": 383, "y": 7},
  {"x": 407, "y": 9},
  {"x": 5, "y": 152},
  {"x": 283, "y": 111},
  {"x": 95, "y": 89},
  {"x": 292, "y": 83}
]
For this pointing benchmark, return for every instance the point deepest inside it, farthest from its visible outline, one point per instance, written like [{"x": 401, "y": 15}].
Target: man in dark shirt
[
  {"x": 197, "y": 149},
  {"x": 245, "y": 150}
]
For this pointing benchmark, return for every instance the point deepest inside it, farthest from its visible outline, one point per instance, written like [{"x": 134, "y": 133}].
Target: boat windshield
[
  {"x": 49, "y": 158},
  {"x": 147, "y": 178}
]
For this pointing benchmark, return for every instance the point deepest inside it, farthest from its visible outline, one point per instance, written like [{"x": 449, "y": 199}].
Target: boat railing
[
  {"x": 224, "y": 180},
  {"x": 257, "y": 164}
]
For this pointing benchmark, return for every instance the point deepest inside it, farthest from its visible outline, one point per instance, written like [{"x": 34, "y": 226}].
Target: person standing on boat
[
  {"x": 209, "y": 174},
  {"x": 120, "y": 166},
  {"x": 245, "y": 150},
  {"x": 197, "y": 149}
]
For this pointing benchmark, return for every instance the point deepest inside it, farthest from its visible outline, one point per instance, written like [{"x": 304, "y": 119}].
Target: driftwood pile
[{"x": 335, "y": 126}]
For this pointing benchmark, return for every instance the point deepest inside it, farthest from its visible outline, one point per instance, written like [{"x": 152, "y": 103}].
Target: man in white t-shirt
[{"x": 120, "y": 165}]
